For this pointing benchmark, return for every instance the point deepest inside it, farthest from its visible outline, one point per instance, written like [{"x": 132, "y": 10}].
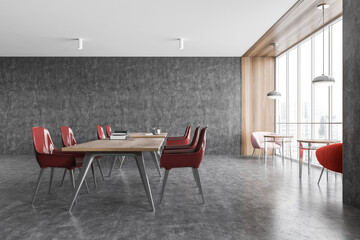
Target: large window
[{"x": 306, "y": 111}]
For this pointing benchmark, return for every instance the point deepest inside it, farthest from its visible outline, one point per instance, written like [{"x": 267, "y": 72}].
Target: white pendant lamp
[
  {"x": 323, "y": 79},
  {"x": 274, "y": 94}
]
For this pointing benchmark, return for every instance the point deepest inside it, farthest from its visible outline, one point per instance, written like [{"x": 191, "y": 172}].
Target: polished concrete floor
[{"x": 246, "y": 198}]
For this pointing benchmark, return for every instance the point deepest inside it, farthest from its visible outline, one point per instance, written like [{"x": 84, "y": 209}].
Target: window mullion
[{"x": 312, "y": 117}]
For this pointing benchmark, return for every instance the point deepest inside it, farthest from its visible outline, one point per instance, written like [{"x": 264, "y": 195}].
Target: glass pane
[
  {"x": 282, "y": 129},
  {"x": 281, "y": 76},
  {"x": 293, "y": 86},
  {"x": 321, "y": 131},
  {"x": 337, "y": 72},
  {"x": 336, "y": 131},
  {"x": 294, "y": 147},
  {"x": 305, "y": 81},
  {"x": 305, "y": 131}
]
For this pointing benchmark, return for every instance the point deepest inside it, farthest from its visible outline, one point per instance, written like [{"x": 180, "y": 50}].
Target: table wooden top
[
  {"x": 278, "y": 136},
  {"x": 318, "y": 140},
  {"x": 129, "y": 145},
  {"x": 147, "y": 135}
]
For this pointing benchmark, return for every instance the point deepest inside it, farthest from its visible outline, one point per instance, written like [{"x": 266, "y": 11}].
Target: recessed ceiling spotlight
[
  {"x": 80, "y": 43},
  {"x": 181, "y": 43}
]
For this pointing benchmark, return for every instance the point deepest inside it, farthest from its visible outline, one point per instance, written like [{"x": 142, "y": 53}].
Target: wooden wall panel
[
  {"x": 302, "y": 20},
  {"x": 258, "y": 111}
]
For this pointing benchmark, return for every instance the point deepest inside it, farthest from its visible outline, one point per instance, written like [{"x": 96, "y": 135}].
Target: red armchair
[
  {"x": 68, "y": 139},
  {"x": 108, "y": 131},
  {"x": 330, "y": 157},
  {"x": 185, "y": 158},
  {"x": 191, "y": 145},
  {"x": 180, "y": 140},
  {"x": 100, "y": 132},
  {"x": 47, "y": 155}
]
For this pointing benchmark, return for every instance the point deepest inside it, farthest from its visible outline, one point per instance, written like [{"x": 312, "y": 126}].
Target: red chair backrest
[
  {"x": 100, "y": 132},
  {"x": 330, "y": 157},
  {"x": 42, "y": 140},
  {"x": 67, "y": 136},
  {"x": 195, "y": 139},
  {"x": 201, "y": 145},
  {"x": 188, "y": 132},
  {"x": 108, "y": 130}
]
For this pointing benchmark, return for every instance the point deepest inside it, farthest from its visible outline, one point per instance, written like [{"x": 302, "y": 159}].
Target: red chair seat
[{"x": 330, "y": 157}]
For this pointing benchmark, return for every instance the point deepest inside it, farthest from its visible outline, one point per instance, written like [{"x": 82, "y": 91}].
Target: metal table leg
[
  {"x": 141, "y": 166},
  {"x": 309, "y": 158},
  {"x": 282, "y": 149},
  {"x": 300, "y": 161},
  {"x": 156, "y": 162},
  {"x": 89, "y": 157},
  {"x": 265, "y": 149}
]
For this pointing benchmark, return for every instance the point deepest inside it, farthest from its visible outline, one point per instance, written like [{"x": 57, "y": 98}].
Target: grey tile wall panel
[
  {"x": 351, "y": 115},
  {"x": 126, "y": 93}
]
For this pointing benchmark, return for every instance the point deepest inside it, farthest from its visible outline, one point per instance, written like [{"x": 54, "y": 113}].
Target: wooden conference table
[
  {"x": 134, "y": 146},
  {"x": 147, "y": 135}
]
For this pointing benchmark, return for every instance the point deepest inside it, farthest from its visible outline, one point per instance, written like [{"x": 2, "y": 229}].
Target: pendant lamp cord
[{"x": 323, "y": 32}]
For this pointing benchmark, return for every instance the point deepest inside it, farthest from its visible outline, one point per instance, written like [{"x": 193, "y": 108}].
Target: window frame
[{"x": 329, "y": 123}]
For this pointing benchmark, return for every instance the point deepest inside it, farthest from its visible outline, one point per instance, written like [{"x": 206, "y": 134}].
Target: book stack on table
[{"x": 119, "y": 135}]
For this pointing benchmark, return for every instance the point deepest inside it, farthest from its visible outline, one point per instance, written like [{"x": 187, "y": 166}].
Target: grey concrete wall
[
  {"x": 351, "y": 149},
  {"x": 126, "y": 93}
]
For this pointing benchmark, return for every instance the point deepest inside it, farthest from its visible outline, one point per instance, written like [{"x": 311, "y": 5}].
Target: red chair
[
  {"x": 184, "y": 158},
  {"x": 68, "y": 139},
  {"x": 100, "y": 132},
  {"x": 108, "y": 132},
  {"x": 180, "y": 140},
  {"x": 330, "y": 157},
  {"x": 47, "y": 155},
  {"x": 191, "y": 145}
]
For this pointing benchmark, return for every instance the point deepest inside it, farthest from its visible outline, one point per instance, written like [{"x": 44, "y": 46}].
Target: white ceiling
[{"x": 135, "y": 27}]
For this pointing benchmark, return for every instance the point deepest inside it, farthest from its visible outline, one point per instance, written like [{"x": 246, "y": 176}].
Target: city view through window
[{"x": 306, "y": 111}]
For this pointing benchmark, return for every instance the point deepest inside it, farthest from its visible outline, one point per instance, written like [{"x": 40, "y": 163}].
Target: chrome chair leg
[
  {"x": 322, "y": 171},
  {"x": 197, "y": 183},
  {"x": 112, "y": 166},
  {"x": 122, "y": 161},
  {"x": 63, "y": 178},
  {"x": 196, "y": 170},
  {"x": 51, "y": 179},
  {"x": 101, "y": 172},
  {"x": 38, "y": 184},
  {"x": 253, "y": 152},
  {"x": 164, "y": 184},
  {"x": 93, "y": 173}
]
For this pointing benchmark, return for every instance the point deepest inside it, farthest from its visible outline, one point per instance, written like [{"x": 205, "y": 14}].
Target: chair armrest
[
  {"x": 168, "y": 147},
  {"x": 175, "y": 138},
  {"x": 178, "y": 151}
]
